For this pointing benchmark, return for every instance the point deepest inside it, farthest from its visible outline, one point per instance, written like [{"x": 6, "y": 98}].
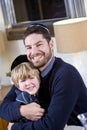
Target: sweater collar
[{"x": 49, "y": 67}]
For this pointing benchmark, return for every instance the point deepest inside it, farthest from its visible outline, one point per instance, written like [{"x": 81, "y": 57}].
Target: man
[{"x": 63, "y": 93}]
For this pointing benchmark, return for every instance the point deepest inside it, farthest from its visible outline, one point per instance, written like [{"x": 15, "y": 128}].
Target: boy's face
[{"x": 30, "y": 85}]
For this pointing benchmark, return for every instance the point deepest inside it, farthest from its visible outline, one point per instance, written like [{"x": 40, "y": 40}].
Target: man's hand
[
  {"x": 65, "y": 128},
  {"x": 32, "y": 111},
  {"x": 10, "y": 125}
]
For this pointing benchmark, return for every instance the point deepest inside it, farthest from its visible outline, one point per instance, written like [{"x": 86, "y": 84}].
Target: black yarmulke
[{"x": 18, "y": 60}]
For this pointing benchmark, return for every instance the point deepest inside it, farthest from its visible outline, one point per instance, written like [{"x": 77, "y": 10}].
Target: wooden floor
[{"x": 3, "y": 91}]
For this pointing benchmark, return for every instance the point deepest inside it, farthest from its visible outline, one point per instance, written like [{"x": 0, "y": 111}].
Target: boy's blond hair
[{"x": 23, "y": 71}]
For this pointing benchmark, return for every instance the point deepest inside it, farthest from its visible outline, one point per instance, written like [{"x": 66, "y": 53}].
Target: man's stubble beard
[{"x": 44, "y": 63}]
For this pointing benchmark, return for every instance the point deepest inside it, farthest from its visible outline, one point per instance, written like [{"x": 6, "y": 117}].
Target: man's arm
[
  {"x": 64, "y": 98},
  {"x": 9, "y": 109}
]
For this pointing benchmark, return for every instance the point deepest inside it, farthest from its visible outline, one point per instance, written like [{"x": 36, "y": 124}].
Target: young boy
[{"x": 27, "y": 79}]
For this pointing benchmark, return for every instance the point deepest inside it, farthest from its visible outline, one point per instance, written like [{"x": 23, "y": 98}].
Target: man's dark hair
[{"x": 39, "y": 29}]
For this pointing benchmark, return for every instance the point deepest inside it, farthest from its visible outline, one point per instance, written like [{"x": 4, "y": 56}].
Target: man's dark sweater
[{"x": 62, "y": 93}]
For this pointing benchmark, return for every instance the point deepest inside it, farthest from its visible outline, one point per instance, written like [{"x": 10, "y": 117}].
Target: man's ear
[{"x": 51, "y": 43}]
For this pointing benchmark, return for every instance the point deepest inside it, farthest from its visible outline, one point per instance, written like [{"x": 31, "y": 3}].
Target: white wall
[
  {"x": 12, "y": 49},
  {"x": 85, "y": 2},
  {"x": 79, "y": 60}
]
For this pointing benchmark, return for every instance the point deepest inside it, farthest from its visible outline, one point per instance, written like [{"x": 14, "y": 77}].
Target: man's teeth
[{"x": 37, "y": 57}]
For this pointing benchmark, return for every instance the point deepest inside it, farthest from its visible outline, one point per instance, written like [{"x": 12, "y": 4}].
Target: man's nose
[{"x": 34, "y": 50}]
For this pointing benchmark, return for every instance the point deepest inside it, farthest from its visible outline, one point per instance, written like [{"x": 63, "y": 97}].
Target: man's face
[{"x": 39, "y": 51}]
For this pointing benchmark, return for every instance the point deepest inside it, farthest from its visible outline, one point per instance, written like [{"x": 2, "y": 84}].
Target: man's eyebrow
[
  {"x": 34, "y": 44},
  {"x": 38, "y": 42}
]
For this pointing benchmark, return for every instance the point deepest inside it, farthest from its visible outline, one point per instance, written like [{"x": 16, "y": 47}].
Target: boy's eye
[
  {"x": 31, "y": 77},
  {"x": 22, "y": 80}
]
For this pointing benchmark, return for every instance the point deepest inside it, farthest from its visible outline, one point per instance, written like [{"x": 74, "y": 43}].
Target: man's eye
[
  {"x": 28, "y": 48},
  {"x": 39, "y": 45}
]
